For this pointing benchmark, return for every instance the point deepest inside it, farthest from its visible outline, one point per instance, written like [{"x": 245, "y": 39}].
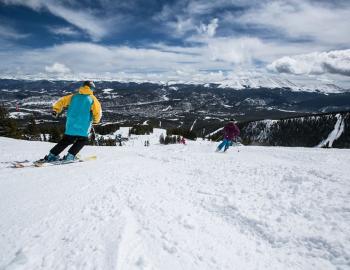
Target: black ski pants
[{"x": 77, "y": 141}]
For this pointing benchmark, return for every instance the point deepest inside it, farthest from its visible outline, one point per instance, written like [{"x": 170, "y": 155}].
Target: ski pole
[
  {"x": 219, "y": 139},
  {"x": 93, "y": 131}
]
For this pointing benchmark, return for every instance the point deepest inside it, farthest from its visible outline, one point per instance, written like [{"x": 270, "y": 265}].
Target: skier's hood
[{"x": 85, "y": 90}]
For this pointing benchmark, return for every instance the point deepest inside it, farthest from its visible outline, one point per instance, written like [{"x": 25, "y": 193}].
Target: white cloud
[
  {"x": 10, "y": 33},
  {"x": 66, "y": 31},
  {"x": 97, "y": 59},
  {"x": 245, "y": 50},
  {"x": 34, "y": 4},
  {"x": 300, "y": 19},
  {"x": 57, "y": 68},
  {"x": 83, "y": 19},
  {"x": 237, "y": 51},
  {"x": 210, "y": 29},
  {"x": 333, "y": 62},
  {"x": 209, "y": 61},
  {"x": 205, "y": 7},
  {"x": 211, "y": 54},
  {"x": 181, "y": 26}
]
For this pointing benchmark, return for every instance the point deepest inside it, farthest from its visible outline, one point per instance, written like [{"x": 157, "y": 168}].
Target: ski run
[{"x": 176, "y": 207}]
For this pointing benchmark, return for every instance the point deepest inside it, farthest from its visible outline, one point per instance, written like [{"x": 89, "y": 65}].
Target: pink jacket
[{"x": 231, "y": 131}]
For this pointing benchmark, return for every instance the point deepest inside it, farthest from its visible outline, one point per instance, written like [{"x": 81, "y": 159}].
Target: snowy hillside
[
  {"x": 176, "y": 207},
  {"x": 322, "y": 130}
]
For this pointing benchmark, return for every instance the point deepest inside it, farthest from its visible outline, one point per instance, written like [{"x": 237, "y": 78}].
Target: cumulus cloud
[
  {"x": 333, "y": 62},
  {"x": 299, "y": 19},
  {"x": 57, "y": 68},
  {"x": 209, "y": 29},
  {"x": 157, "y": 63},
  {"x": 212, "y": 54},
  {"x": 237, "y": 51},
  {"x": 181, "y": 26},
  {"x": 98, "y": 59}
]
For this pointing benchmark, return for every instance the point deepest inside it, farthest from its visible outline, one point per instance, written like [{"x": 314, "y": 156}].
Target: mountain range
[{"x": 173, "y": 104}]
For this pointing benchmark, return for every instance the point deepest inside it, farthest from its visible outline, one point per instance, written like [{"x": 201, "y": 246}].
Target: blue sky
[{"x": 180, "y": 40}]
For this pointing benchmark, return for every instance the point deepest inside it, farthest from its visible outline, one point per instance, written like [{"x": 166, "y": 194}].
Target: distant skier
[
  {"x": 230, "y": 132},
  {"x": 83, "y": 110},
  {"x": 118, "y": 139},
  {"x": 183, "y": 141}
]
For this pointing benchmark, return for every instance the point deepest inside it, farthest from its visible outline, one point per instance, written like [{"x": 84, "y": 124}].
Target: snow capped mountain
[
  {"x": 254, "y": 81},
  {"x": 237, "y": 81},
  {"x": 185, "y": 102}
]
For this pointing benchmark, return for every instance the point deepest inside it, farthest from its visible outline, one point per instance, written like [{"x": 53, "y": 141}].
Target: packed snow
[{"x": 176, "y": 207}]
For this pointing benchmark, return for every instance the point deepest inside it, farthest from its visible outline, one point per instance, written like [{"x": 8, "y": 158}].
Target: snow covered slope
[
  {"x": 335, "y": 134},
  {"x": 176, "y": 207}
]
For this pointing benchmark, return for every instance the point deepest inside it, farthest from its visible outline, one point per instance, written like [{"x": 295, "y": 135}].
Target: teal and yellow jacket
[{"x": 83, "y": 109}]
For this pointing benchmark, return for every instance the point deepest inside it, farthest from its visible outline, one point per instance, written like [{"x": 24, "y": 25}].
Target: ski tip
[
  {"x": 18, "y": 165},
  {"x": 38, "y": 164},
  {"x": 89, "y": 158}
]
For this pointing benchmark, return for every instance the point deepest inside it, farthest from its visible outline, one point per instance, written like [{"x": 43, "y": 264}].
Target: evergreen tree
[
  {"x": 12, "y": 130},
  {"x": 3, "y": 113},
  {"x": 178, "y": 139},
  {"x": 188, "y": 134},
  {"x": 161, "y": 139},
  {"x": 55, "y": 134},
  {"x": 3, "y": 120},
  {"x": 8, "y": 126},
  {"x": 101, "y": 141},
  {"x": 167, "y": 139},
  {"x": 32, "y": 129}
]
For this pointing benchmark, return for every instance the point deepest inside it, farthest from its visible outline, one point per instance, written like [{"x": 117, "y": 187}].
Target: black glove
[{"x": 54, "y": 114}]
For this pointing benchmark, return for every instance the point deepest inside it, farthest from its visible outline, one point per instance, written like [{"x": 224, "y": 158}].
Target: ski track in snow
[
  {"x": 176, "y": 207},
  {"x": 335, "y": 133}
]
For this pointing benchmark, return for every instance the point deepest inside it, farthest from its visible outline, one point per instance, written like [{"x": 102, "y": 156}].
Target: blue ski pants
[{"x": 225, "y": 143}]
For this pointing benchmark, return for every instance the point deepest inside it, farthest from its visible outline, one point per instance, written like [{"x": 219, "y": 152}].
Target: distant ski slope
[{"x": 176, "y": 207}]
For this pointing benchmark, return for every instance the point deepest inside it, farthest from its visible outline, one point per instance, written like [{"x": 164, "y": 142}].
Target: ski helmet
[
  {"x": 233, "y": 120},
  {"x": 90, "y": 84}
]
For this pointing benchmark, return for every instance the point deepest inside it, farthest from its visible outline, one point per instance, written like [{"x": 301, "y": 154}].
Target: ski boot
[
  {"x": 48, "y": 158},
  {"x": 69, "y": 157}
]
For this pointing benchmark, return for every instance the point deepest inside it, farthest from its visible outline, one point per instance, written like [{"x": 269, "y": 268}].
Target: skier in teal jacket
[{"x": 83, "y": 110}]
